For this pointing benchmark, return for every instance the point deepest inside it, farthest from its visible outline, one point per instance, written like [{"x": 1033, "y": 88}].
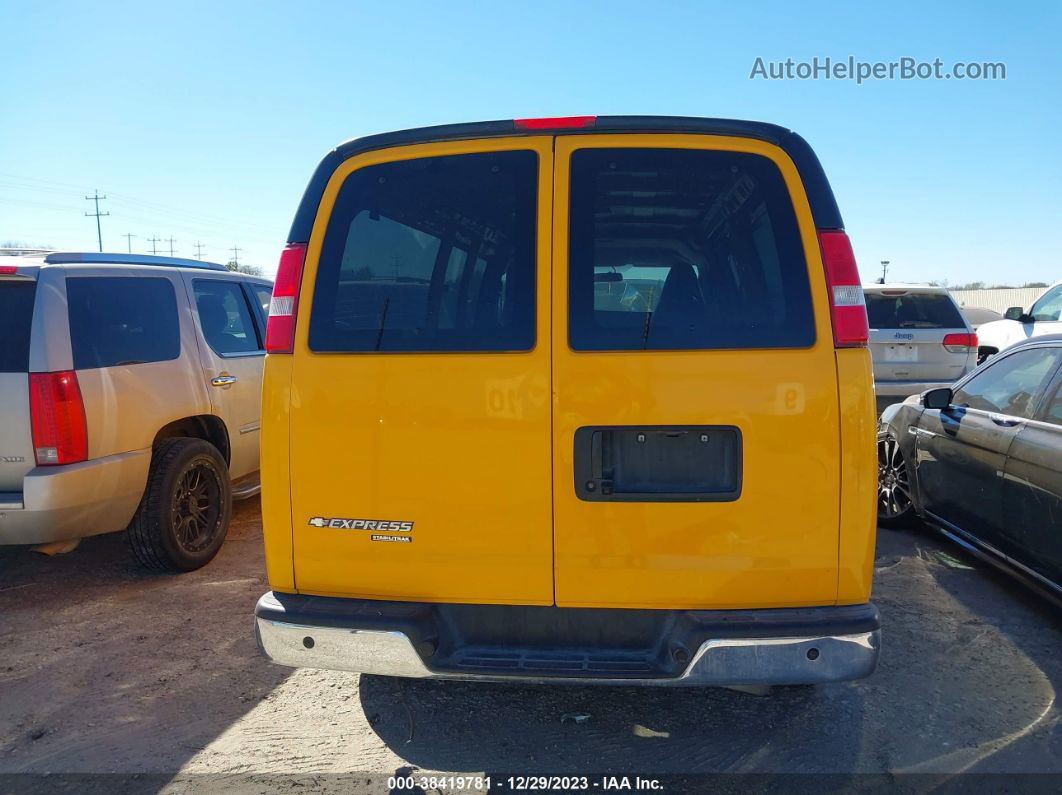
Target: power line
[
  {"x": 129, "y": 240},
  {"x": 95, "y": 197},
  {"x": 171, "y": 242},
  {"x": 170, "y": 210},
  {"x": 198, "y": 249},
  {"x": 153, "y": 241},
  {"x": 236, "y": 255}
]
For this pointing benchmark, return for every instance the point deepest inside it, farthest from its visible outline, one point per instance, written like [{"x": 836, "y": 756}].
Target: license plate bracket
[{"x": 658, "y": 463}]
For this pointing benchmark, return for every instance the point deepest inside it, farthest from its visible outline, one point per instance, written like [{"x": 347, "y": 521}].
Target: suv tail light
[
  {"x": 284, "y": 306},
  {"x": 848, "y": 309},
  {"x": 960, "y": 343},
  {"x": 57, "y": 418}
]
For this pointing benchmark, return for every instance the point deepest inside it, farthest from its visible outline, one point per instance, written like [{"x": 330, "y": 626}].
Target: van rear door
[
  {"x": 696, "y": 429},
  {"x": 17, "y": 294},
  {"x": 420, "y": 403}
]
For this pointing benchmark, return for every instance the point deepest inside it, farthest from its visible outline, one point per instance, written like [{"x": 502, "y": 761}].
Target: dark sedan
[{"x": 982, "y": 461}]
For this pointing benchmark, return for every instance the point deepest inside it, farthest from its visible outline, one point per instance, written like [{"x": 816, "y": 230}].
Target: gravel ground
[{"x": 106, "y": 668}]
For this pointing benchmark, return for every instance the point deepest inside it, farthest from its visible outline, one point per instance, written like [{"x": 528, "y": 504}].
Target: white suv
[
  {"x": 131, "y": 388},
  {"x": 1045, "y": 317},
  {"x": 919, "y": 340}
]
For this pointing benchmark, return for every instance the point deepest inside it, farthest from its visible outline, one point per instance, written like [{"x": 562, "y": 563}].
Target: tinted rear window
[
  {"x": 16, "y": 314},
  {"x": 432, "y": 254},
  {"x": 683, "y": 249},
  {"x": 225, "y": 317},
  {"x": 122, "y": 320},
  {"x": 913, "y": 310}
]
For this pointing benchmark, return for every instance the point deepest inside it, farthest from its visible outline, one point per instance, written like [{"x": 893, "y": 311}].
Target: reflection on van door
[
  {"x": 695, "y": 427},
  {"x": 420, "y": 416}
]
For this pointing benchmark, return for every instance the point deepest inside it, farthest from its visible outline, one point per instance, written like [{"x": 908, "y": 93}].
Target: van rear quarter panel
[
  {"x": 276, "y": 473},
  {"x": 859, "y": 477}
]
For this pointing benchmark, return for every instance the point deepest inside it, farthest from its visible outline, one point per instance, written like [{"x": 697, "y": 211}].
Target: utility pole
[
  {"x": 171, "y": 242},
  {"x": 235, "y": 257},
  {"x": 198, "y": 249},
  {"x": 884, "y": 269},
  {"x": 95, "y": 197},
  {"x": 129, "y": 240},
  {"x": 153, "y": 241}
]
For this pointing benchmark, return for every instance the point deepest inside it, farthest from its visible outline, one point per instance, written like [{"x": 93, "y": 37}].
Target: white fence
[{"x": 999, "y": 300}]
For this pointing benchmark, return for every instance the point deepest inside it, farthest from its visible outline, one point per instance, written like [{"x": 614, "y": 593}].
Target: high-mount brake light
[
  {"x": 960, "y": 343},
  {"x": 57, "y": 418},
  {"x": 284, "y": 306},
  {"x": 556, "y": 123},
  {"x": 848, "y": 309}
]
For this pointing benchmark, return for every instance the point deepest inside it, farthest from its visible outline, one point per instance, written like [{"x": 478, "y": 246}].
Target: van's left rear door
[{"x": 420, "y": 405}]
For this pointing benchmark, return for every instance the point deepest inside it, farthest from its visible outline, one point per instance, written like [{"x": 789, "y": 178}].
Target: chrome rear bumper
[{"x": 803, "y": 659}]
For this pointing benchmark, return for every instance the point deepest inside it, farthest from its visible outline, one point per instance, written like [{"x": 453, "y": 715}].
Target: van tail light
[
  {"x": 960, "y": 343},
  {"x": 848, "y": 309},
  {"x": 556, "y": 123},
  {"x": 57, "y": 418},
  {"x": 284, "y": 306}
]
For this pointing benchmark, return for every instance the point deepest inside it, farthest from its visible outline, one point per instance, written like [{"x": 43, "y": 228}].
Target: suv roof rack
[{"x": 70, "y": 257}]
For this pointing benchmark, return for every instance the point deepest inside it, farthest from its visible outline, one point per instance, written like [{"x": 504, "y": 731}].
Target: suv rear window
[
  {"x": 122, "y": 320},
  {"x": 676, "y": 249},
  {"x": 16, "y": 316},
  {"x": 431, "y": 254},
  {"x": 912, "y": 310}
]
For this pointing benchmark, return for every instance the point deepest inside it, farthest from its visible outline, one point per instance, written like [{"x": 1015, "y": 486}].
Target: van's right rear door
[{"x": 696, "y": 428}]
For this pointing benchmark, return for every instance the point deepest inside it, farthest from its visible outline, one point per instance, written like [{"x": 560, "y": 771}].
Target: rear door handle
[{"x": 223, "y": 380}]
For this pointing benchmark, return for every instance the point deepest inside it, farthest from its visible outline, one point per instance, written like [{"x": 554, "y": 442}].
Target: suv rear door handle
[
  {"x": 223, "y": 380},
  {"x": 1004, "y": 420}
]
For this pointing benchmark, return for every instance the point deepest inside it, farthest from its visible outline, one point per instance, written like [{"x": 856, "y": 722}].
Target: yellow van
[{"x": 570, "y": 399}]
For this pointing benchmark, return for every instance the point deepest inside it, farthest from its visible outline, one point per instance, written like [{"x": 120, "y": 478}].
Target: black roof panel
[{"x": 820, "y": 196}]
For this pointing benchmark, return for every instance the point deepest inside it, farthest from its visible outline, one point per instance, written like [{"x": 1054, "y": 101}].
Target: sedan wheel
[{"x": 895, "y": 508}]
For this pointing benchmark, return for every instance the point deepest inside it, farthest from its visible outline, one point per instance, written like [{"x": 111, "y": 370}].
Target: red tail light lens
[
  {"x": 960, "y": 343},
  {"x": 8, "y": 270},
  {"x": 57, "y": 417},
  {"x": 284, "y": 306},
  {"x": 556, "y": 123},
  {"x": 848, "y": 307}
]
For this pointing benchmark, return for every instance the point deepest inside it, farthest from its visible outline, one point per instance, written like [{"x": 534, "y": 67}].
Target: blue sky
[{"x": 203, "y": 121}]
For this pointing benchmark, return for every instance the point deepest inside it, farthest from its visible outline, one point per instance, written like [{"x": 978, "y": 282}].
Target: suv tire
[{"x": 184, "y": 514}]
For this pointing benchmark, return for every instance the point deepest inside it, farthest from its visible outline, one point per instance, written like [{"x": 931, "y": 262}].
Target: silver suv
[
  {"x": 919, "y": 340},
  {"x": 131, "y": 388}
]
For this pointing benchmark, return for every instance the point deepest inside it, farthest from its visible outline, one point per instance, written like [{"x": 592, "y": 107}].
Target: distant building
[{"x": 1000, "y": 299}]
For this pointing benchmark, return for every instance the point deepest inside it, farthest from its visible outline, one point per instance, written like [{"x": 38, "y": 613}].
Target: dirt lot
[{"x": 105, "y": 668}]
